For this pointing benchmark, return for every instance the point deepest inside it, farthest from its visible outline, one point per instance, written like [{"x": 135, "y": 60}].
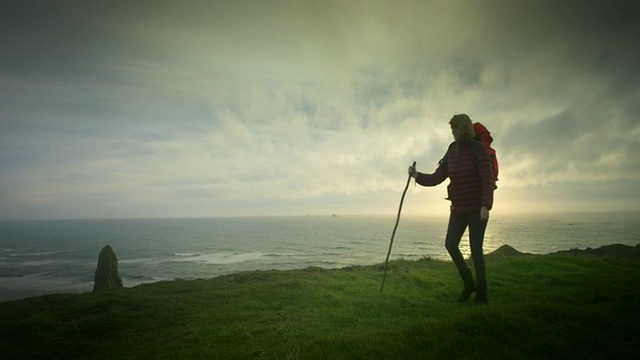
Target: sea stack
[{"x": 106, "y": 276}]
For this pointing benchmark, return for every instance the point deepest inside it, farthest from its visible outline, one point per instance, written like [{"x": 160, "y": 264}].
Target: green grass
[{"x": 548, "y": 306}]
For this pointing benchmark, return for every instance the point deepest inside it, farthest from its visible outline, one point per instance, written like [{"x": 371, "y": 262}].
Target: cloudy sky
[{"x": 112, "y": 109}]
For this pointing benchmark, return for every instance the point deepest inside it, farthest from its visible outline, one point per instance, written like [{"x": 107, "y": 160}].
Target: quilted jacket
[{"x": 471, "y": 180}]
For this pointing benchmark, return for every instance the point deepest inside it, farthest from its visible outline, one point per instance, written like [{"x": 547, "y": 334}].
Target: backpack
[{"x": 484, "y": 136}]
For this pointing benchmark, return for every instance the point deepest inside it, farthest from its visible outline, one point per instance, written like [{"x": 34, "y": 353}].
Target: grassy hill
[{"x": 550, "y": 306}]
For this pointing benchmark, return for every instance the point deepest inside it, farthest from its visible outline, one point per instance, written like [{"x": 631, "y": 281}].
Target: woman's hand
[
  {"x": 484, "y": 213},
  {"x": 412, "y": 171}
]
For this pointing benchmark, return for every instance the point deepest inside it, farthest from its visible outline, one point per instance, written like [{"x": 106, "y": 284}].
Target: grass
[{"x": 551, "y": 306}]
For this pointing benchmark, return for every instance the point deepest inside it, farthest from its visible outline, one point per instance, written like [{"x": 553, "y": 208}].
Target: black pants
[{"x": 457, "y": 225}]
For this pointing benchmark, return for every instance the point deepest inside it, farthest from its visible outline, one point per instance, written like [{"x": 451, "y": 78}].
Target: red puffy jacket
[{"x": 472, "y": 182}]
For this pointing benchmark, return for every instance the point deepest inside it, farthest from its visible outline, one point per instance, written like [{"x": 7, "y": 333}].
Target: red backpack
[{"x": 484, "y": 136}]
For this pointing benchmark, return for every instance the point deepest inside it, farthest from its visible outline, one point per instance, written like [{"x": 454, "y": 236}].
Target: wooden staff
[{"x": 386, "y": 262}]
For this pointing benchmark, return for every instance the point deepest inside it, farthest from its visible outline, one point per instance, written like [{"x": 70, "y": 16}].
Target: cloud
[{"x": 152, "y": 108}]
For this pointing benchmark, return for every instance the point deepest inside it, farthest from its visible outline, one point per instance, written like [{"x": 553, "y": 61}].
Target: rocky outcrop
[
  {"x": 106, "y": 276},
  {"x": 506, "y": 251},
  {"x": 616, "y": 251}
]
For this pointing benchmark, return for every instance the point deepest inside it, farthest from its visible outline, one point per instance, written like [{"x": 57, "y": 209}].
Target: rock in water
[{"x": 107, "y": 272}]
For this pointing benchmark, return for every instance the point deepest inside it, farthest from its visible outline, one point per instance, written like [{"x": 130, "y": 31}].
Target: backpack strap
[{"x": 475, "y": 145}]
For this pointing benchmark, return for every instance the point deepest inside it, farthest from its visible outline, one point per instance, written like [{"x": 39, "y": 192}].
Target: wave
[
  {"x": 220, "y": 258},
  {"x": 135, "y": 280},
  {"x": 44, "y": 253},
  {"x": 141, "y": 277},
  {"x": 39, "y": 262},
  {"x": 150, "y": 261},
  {"x": 45, "y": 282},
  {"x": 281, "y": 255},
  {"x": 187, "y": 254},
  {"x": 408, "y": 256},
  {"x": 58, "y": 262},
  {"x": 329, "y": 254}
]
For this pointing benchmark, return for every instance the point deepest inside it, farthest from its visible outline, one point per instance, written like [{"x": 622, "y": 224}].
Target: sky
[{"x": 119, "y": 109}]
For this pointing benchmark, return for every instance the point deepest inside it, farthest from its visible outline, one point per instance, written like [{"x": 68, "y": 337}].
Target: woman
[{"x": 469, "y": 167}]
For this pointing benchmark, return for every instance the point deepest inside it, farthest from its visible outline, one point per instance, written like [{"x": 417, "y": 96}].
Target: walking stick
[{"x": 386, "y": 262}]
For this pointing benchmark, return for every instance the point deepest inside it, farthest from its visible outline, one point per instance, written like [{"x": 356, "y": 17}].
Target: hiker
[{"x": 468, "y": 165}]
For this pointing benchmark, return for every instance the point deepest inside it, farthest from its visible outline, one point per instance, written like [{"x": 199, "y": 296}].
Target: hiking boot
[
  {"x": 481, "y": 301},
  {"x": 466, "y": 292},
  {"x": 469, "y": 286},
  {"x": 481, "y": 297}
]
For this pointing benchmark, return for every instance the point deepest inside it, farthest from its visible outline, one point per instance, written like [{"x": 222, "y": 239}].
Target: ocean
[{"x": 49, "y": 256}]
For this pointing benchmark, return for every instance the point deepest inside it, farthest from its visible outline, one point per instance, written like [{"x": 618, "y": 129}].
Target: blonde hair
[{"x": 464, "y": 124}]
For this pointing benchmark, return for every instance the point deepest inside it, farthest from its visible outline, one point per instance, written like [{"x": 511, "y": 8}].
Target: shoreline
[{"x": 616, "y": 251}]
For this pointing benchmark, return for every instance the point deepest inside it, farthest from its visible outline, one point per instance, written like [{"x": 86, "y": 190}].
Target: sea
[{"x": 60, "y": 256}]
